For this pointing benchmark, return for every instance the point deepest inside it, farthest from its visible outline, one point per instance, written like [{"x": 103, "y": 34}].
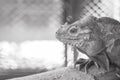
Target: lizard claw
[
  {"x": 118, "y": 75},
  {"x": 97, "y": 65}
]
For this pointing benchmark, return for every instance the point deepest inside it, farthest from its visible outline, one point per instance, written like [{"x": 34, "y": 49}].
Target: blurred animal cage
[{"x": 43, "y": 12}]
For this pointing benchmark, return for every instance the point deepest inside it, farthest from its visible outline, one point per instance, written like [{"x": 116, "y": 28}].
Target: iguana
[{"x": 95, "y": 37}]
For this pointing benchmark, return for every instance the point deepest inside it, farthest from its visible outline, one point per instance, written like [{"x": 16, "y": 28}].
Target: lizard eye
[{"x": 73, "y": 30}]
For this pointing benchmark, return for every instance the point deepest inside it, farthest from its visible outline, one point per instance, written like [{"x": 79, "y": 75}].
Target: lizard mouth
[
  {"x": 80, "y": 37},
  {"x": 75, "y": 41}
]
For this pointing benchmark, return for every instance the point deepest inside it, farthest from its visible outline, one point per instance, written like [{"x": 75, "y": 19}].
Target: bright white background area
[{"x": 31, "y": 54}]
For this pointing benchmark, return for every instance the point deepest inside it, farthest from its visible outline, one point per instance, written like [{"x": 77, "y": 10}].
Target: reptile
[{"x": 98, "y": 38}]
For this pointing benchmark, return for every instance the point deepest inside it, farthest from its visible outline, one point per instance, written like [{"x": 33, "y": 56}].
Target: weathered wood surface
[
  {"x": 68, "y": 73},
  {"x": 58, "y": 74}
]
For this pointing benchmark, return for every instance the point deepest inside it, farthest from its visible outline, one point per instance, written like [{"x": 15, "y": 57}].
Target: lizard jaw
[{"x": 75, "y": 40}]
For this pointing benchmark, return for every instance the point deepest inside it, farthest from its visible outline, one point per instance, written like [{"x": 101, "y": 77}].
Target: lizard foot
[{"x": 84, "y": 63}]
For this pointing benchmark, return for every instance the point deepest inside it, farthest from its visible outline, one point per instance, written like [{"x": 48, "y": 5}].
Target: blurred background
[{"x": 27, "y": 32}]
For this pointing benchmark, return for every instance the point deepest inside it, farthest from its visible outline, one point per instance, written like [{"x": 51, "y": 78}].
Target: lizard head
[{"x": 77, "y": 32}]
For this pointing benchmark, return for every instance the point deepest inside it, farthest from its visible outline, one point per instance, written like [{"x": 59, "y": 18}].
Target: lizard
[{"x": 91, "y": 36}]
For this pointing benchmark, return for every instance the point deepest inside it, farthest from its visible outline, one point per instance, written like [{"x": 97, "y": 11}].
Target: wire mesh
[
  {"x": 36, "y": 19},
  {"x": 31, "y": 12},
  {"x": 98, "y": 8}
]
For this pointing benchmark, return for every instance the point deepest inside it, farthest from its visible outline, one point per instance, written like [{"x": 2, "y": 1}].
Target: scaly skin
[{"x": 94, "y": 37}]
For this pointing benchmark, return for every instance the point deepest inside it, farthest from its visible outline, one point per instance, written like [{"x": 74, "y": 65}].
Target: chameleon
[{"x": 98, "y": 38}]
